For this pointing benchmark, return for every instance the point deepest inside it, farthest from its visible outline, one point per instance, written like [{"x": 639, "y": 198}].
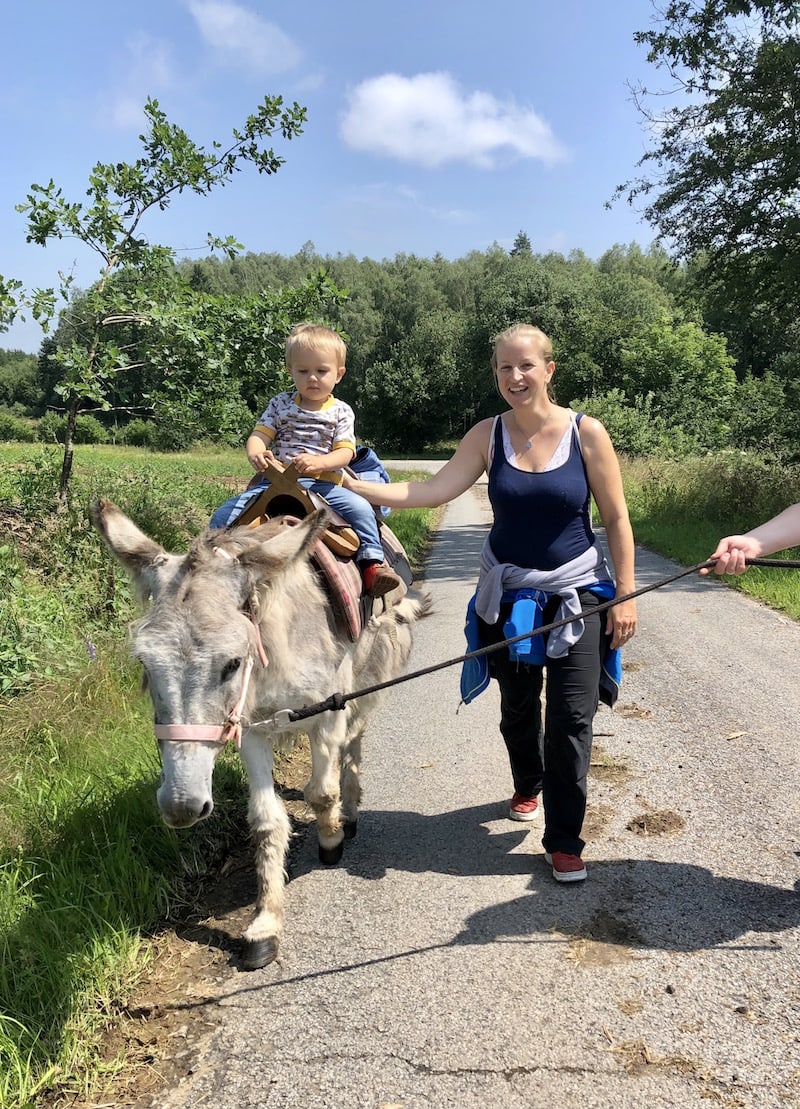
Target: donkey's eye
[{"x": 230, "y": 668}]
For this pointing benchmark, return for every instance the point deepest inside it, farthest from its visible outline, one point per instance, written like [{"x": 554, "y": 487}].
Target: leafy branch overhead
[
  {"x": 138, "y": 299},
  {"x": 121, "y": 194}
]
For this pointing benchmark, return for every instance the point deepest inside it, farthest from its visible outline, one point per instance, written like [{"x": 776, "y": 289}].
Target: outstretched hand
[{"x": 731, "y": 554}]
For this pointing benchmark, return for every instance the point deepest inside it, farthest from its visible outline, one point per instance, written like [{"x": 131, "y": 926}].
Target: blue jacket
[
  {"x": 526, "y": 613},
  {"x": 368, "y": 467}
]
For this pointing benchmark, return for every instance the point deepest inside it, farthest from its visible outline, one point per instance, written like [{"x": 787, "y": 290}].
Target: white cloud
[
  {"x": 243, "y": 38},
  {"x": 429, "y": 119},
  {"x": 148, "y": 71}
]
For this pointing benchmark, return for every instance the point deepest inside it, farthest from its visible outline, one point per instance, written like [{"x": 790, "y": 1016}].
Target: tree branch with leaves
[
  {"x": 135, "y": 275},
  {"x": 721, "y": 182}
]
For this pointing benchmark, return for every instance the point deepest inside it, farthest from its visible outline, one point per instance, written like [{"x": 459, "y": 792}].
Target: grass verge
[
  {"x": 89, "y": 875},
  {"x": 681, "y": 508}
]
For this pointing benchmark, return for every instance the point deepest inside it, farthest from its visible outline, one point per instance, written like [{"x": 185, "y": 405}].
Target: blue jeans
[{"x": 359, "y": 513}]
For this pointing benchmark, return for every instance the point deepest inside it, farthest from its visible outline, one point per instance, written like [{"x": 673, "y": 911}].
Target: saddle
[
  {"x": 333, "y": 557},
  {"x": 284, "y": 495}
]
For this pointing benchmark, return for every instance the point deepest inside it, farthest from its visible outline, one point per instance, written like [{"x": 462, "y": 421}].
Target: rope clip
[{"x": 280, "y": 721}]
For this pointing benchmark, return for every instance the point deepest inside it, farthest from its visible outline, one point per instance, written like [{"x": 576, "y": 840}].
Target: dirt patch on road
[
  {"x": 603, "y": 941},
  {"x": 608, "y": 768},
  {"x": 662, "y": 823}
]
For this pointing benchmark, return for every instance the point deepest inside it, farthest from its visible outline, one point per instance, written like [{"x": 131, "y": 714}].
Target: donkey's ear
[
  {"x": 141, "y": 556},
  {"x": 296, "y": 540}
]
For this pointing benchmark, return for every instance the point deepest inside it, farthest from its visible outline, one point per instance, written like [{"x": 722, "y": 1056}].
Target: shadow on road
[{"x": 644, "y": 903}]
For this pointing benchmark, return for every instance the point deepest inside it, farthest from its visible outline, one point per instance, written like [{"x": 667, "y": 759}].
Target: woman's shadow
[{"x": 640, "y": 903}]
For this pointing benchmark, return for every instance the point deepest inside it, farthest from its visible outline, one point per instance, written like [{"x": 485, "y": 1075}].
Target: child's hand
[
  {"x": 259, "y": 458},
  {"x": 308, "y": 464}
]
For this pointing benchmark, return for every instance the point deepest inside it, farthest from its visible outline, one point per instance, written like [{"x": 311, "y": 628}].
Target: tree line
[{"x": 632, "y": 347}]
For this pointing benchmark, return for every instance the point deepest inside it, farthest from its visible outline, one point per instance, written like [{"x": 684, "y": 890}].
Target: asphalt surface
[{"x": 440, "y": 965}]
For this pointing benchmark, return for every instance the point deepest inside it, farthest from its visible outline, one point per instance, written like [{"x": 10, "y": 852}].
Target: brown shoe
[{"x": 379, "y": 579}]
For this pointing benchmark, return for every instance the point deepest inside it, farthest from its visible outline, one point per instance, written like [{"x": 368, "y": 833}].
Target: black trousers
[{"x": 551, "y": 757}]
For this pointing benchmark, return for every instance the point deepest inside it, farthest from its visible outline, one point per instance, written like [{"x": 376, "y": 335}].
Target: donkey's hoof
[
  {"x": 350, "y": 829},
  {"x": 259, "y": 953},
  {"x": 330, "y": 856}
]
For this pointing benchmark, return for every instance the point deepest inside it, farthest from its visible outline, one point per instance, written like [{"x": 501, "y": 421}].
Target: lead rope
[{"x": 338, "y": 701}]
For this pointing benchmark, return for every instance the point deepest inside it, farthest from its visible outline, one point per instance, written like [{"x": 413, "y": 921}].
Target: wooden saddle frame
[{"x": 284, "y": 494}]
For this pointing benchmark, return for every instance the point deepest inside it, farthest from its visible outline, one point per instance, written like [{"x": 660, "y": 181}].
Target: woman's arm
[
  {"x": 605, "y": 482},
  {"x": 455, "y": 477}
]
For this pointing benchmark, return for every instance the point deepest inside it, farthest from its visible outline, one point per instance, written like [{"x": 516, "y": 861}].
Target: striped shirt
[{"x": 293, "y": 430}]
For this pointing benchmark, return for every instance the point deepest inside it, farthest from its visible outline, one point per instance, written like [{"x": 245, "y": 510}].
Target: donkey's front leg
[
  {"x": 271, "y": 831},
  {"x": 322, "y": 790},
  {"x": 350, "y": 778}
]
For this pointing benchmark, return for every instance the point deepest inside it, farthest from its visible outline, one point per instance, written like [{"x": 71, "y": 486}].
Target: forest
[{"x": 638, "y": 343}]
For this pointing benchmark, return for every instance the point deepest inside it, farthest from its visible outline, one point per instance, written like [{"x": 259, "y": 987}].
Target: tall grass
[
  {"x": 681, "y": 508},
  {"x": 88, "y": 872}
]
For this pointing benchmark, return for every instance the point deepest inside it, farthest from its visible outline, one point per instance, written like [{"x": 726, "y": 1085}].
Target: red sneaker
[
  {"x": 566, "y": 868},
  {"x": 379, "y": 579},
  {"x": 523, "y": 808}
]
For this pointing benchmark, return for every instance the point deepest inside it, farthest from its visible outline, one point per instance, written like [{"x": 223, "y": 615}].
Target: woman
[{"x": 542, "y": 561}]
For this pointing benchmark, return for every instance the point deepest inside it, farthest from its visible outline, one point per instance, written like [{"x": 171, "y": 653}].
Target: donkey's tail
[{"x": 414, "y": 606}]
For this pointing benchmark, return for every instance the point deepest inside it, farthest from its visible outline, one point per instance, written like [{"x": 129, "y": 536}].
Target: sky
[{"x": 434, "y": 126}]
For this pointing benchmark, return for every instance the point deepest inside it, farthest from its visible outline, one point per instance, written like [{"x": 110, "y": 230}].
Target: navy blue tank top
[{"x": 541, "y": 520}]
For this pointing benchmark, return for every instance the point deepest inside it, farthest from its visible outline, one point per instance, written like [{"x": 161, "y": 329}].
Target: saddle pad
[{"x": 343, "y": 579}]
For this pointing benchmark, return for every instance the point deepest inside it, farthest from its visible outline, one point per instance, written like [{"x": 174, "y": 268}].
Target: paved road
[{"x": 441, "y": 966}]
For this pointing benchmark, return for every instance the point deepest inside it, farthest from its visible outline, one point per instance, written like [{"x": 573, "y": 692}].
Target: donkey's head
[{"x": 199, "y": 637}]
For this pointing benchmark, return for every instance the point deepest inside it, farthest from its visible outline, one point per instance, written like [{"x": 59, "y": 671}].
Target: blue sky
[{"x": 433, "y": 125}]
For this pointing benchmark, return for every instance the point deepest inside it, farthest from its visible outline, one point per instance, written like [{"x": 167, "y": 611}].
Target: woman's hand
[{"x": 622, "y": 623}]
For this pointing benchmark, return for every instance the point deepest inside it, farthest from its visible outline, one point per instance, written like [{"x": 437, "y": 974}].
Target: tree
[
  {"x": 522, "y": 245},
  {"x": 19, "y": 386},
  {"x": 689, "y": 376},
  {"x": 137, "y": 280},
  {"x": 723, "y": 179}
]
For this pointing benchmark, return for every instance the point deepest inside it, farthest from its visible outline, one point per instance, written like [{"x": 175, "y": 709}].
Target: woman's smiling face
[{"x": 522, "y": 370}]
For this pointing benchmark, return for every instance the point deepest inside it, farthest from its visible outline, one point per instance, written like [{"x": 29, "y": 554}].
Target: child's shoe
[{"x": 379, "y": 579}]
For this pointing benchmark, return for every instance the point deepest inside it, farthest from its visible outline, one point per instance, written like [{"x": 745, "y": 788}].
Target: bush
[
  {"x": 138, "y": 433},
  {"x": 50, "y": 428},
  {"x": 88, "y": 429},
  {"x": 15, "y": 429},
  {"x": 635, "y": 429}
]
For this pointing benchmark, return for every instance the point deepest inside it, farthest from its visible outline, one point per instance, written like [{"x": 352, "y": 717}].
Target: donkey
[{"x": 238, "y": 629}]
